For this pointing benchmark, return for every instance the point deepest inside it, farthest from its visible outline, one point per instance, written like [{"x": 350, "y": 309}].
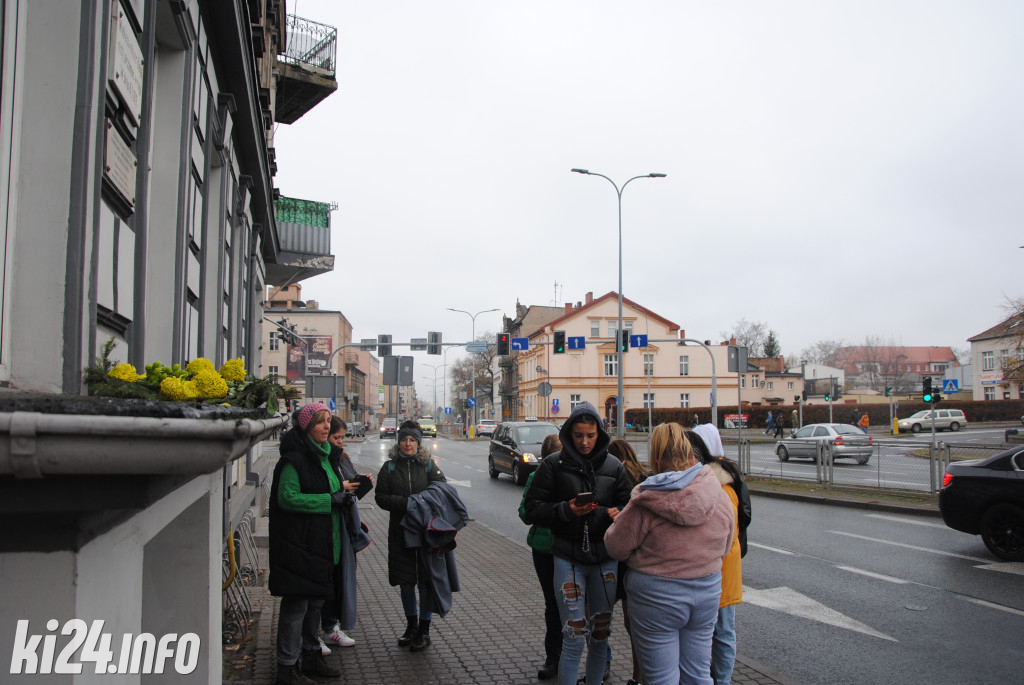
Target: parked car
[
  {"x": 986, "y": 497},
  {"x": 849, "y": 442},
  {"x": 428, "y": 426},
  {"x": 515, "y": 448},
  {"x": 486, "y": 427},
  {"x": 951, "y": 419},
  {"x": 356, "y": 429},
  {"x": 388, "y": 428}
]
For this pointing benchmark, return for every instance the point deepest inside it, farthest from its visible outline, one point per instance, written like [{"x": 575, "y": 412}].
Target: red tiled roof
[{"x": 896, "y": 354}]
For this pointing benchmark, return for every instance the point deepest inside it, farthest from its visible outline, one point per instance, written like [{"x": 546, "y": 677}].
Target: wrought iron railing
[{"x": 310, "y": 43}]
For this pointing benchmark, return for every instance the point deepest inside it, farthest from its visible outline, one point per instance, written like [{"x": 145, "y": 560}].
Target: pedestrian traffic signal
[
  {"x": 926, "y": 394},
  {"x": 796, "y": 398},
  {"x": 804, "y": 395},
  {"x": 624, "y": 341},
  {"x": 503, "y": 348},
  {"x": 888, "y": 391},
  {"x": 828, "y": 397},
  {"x": 936, "y": 398},
  {"x": 434, "y": 342},
  {"x": 559, "y": 342},
  {"x": 383, "y": 345}
]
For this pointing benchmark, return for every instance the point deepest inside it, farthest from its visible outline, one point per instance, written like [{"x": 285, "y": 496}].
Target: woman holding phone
[{"x": 577, "y": 492}]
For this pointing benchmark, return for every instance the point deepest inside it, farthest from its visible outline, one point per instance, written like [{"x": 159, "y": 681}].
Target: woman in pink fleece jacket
[{"x": 673, "y": 535}]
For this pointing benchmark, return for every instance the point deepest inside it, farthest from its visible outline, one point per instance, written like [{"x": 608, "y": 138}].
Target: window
[
  {"x": 271, "y": 370},
  {"x": 574, "y": 400},
  {"x": 755, "y": 381},
  {"x": 613, "y": 326},
  {"x": 628, "y": 325},
  {"x": 684, "y": 366},
  {"x": 648, "y": 400},
  {"x": 789, "y": 385},
  {"x": 771, "y": 385},
  {"x": 648, "y": 364},
  {"x": 988, "y": 362},
  {"x": 595, "y": 329},
  {"x": 275, "y": 342},
  {"x": 1004, "y": 358},
  {"x": 611, "y": 368},
  {"x": 990, "y": 393},
  {"x": 684, "y": 400},
  {"x": 743, "y": 381}
]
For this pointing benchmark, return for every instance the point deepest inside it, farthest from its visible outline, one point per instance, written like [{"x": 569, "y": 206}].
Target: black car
[
  {"x": 986, "y": 497},
  {"x": 515, "y": 448}
]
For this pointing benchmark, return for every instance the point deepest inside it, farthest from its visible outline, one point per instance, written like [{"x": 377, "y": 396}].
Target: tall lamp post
[
  {"x": 435, "y": 367},
  {"x": 620, "y": 400},
  {"x": 473, "y": 338}
]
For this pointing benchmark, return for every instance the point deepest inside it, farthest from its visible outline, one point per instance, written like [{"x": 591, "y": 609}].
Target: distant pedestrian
[
  {"x": 780, "y": 425},
  {"x": 854, "y": 417},
  {"x": 696, "y": 421},
  {"x": 794, "y": 420},
  {"x": 769, "y": 424},
  {"x": 864, "y": 422}
]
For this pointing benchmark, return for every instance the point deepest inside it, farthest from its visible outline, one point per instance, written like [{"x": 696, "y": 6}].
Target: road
[{"x": 832, "y": 594}]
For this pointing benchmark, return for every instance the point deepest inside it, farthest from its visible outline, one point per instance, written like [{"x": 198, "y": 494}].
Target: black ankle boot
[
  {"x": 314, "y": 664},
  {"x": 422, "y": 637},
  {"x": 410, "y": 632},
  {"x": 291, "y": 674}
]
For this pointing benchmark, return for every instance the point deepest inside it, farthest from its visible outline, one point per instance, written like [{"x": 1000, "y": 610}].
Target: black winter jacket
[
  {"x": 565, "y": 474},
  {"x": 400, "y": 477},
  {"x": 301, "y": 545}
]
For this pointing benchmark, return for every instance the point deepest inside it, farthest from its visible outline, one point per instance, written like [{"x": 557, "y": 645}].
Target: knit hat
[
  {"x": 307, "y": 412},
  {"x": 410, "y": 432}
]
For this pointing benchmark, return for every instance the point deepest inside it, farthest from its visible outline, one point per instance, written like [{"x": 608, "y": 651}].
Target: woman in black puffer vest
[{"x": 585, "y": 576}]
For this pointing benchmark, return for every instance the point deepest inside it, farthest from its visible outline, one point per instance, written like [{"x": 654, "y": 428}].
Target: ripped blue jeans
[{"x": 585, "y": 594}]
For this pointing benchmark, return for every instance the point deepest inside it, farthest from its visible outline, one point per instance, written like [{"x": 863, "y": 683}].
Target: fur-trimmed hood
[{"x": 422, "y": 455}]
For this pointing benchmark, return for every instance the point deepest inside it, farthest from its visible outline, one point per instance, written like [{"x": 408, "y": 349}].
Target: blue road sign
[
  {"x": 577, "y": 342},
  {"x": 333, "y": 404},
  {"x": 447, "y": 410},
  {"x": 471, "y": 402},
  {"x": 638, "y": 340},
  {"x": 554, "y": 401},
  {"x": 520, "y": 344},
  {"x": 950, "y": 386}
]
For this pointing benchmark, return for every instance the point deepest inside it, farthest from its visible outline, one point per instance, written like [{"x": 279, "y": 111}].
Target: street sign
[
  {"x": 471, "y": 402},
  {"x": 418, "y": 344},
  {"x": 332, "y": 404},
  {"x": 577, "y": 342},
  {"x": 476, "y": 346},
  {"x": 368, "y": 344},
  {"x": 447, "y": 410},
  {"x": 520, "y": 344},
  {"x": 638, "y": 340},
  {"x": 950, "y": 386},
  {"x": 544, "y": 389},
  {"x": 554, "y": 408},
  {"x": 555, "y": 401}
]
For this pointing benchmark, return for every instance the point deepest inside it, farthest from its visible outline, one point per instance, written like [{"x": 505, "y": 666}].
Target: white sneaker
[
  {"x": 324, "y": 649},
  {"x": 338, "y": 637}
]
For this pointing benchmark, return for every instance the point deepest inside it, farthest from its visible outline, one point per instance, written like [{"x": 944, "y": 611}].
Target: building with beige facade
[{"x": 997, "y": 355}]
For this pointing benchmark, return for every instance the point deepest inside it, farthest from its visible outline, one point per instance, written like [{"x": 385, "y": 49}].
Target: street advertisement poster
[{"x": 311, "y": 359}]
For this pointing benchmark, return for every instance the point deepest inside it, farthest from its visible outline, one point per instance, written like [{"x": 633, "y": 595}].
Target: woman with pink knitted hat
[{"x": 305, "y": 543}]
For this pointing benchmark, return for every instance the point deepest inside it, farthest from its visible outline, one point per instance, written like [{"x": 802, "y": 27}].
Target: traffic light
[
  {"x": 926, "y": 395},
  {"x": 559, "y": 342},
  {"x": 624, "y": 341},
  {"x": 796, "y": 398},
  {"x": 434, "y": 342},
  {"x": 888, "y": 391},
  {"x": 936, "y": 398},
  {"x": 383, "y": 345},
  {"x": 805, "y": 395},
  {"x": 503, "y": 348},
  {"x": 355, "y": 403},
  {"x": 828, "y": 397}
]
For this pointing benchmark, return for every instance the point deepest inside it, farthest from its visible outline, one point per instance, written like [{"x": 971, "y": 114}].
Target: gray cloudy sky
[{"x": 820, "y": 155}]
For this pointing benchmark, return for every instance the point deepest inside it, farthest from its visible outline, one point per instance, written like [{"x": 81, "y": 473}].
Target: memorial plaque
[
  {"x": 126, "y": 63},
  {"x": 119, "y": 165}
]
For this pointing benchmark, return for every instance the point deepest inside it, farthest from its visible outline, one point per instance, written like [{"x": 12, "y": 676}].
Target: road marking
[
  {"x": 879, "y": 576},
  {"x": 1014, "y": 567},
  {"x": 901, "y": 544},
  {"x": 460, "y": 483},
  {"x": 913, "y": 522},
  {"x": 990, "y": 605},
  {"x": 770, "y": 549},
  {"x": 791, "y": 602}
]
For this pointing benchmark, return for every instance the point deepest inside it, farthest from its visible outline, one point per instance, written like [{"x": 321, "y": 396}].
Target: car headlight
[{"x": 529, "y": 458}]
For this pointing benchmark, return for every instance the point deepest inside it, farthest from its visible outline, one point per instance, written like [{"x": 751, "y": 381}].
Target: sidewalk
[{"x": 493, "y": 633}]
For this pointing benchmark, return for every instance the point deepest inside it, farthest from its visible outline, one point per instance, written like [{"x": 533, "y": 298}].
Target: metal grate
[{"x": 310, "y": 43}]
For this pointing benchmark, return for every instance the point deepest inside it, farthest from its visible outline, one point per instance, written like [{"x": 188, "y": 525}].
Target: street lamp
[
  {"x": 473, "y": 338},
  {"x": 620, "y": 400},
  {"x": 433, "y": 388},
  {"x": 435, "y": 367}
]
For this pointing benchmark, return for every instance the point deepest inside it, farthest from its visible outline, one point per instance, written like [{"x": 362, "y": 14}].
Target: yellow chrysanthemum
[
  {"x": 208, "y": 383},
  {"x": 126, "y": 372},
  {"x": 200, "y": 364},
  {"x": 177, "y": 389},
  {"x": 233, "y": 370}
]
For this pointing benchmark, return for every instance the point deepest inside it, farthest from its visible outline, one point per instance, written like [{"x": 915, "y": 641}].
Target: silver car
[
  {"x": 945, "y": 419},
  {"x": 848, "y": 442}
]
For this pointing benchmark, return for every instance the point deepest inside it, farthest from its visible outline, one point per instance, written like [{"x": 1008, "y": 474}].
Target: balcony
[
  {"x": 304, "y": 234},
  {"x": 306, "y": 67}
]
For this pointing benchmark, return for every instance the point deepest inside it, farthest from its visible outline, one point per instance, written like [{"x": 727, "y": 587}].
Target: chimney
[
  {"x": 312, "y": 304},
  {"x": 590, "y": 297},
  {"x": 568, "y": 307},
  {"x": 682, "y": 333}
]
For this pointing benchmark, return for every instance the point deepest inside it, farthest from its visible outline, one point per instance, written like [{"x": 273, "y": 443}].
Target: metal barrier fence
[
  {"x": 237, "y": 607},
  {"x": 310, "y": 43},
  {"x": 893, "y": 464}
]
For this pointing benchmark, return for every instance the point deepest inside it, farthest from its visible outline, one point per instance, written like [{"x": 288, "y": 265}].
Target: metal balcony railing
[{"x": 310, "y": 43}]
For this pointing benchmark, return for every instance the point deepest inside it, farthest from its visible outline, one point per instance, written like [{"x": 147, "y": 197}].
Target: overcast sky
[{"x": 822, "y": 157}]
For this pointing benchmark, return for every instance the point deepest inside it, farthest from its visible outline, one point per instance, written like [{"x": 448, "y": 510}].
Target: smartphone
[{"x": 584, "y": 498}]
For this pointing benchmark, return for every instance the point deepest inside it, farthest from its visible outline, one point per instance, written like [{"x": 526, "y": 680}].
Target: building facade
[{"x": 997, "y": 357}]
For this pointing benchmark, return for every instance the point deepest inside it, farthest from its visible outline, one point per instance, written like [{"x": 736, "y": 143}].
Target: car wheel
[
  {"x": 863, "y": 460},
  {"x": 916, "y": 428},
  {"x": 783, "y": 453},
  {"x": 491, "y": 471},
  {"x": 517, "y": 474},
  {"x": 954, "y": 426},
  {"x": 1002, "y": 531}
]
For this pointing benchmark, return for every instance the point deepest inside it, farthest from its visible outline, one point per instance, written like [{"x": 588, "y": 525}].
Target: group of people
[
  {"x": 316, "y": 532},
  {"x": 665, "y": 541},
  {"x": 775, "y": 424}
]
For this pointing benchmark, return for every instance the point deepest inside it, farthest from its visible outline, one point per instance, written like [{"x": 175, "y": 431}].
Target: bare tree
[
  {"x": 962, "y": 354},
  {"x": 1013, "y": 363},
  {"x": 824, "y": 352},
  {"x": 881, "y": 364},
  {"x": 460, "y": 372},
  {"x": 750, "y": 334}
]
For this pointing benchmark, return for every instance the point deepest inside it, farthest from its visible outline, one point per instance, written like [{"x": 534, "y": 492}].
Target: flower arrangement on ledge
[{"x": 199, "y": 381}]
